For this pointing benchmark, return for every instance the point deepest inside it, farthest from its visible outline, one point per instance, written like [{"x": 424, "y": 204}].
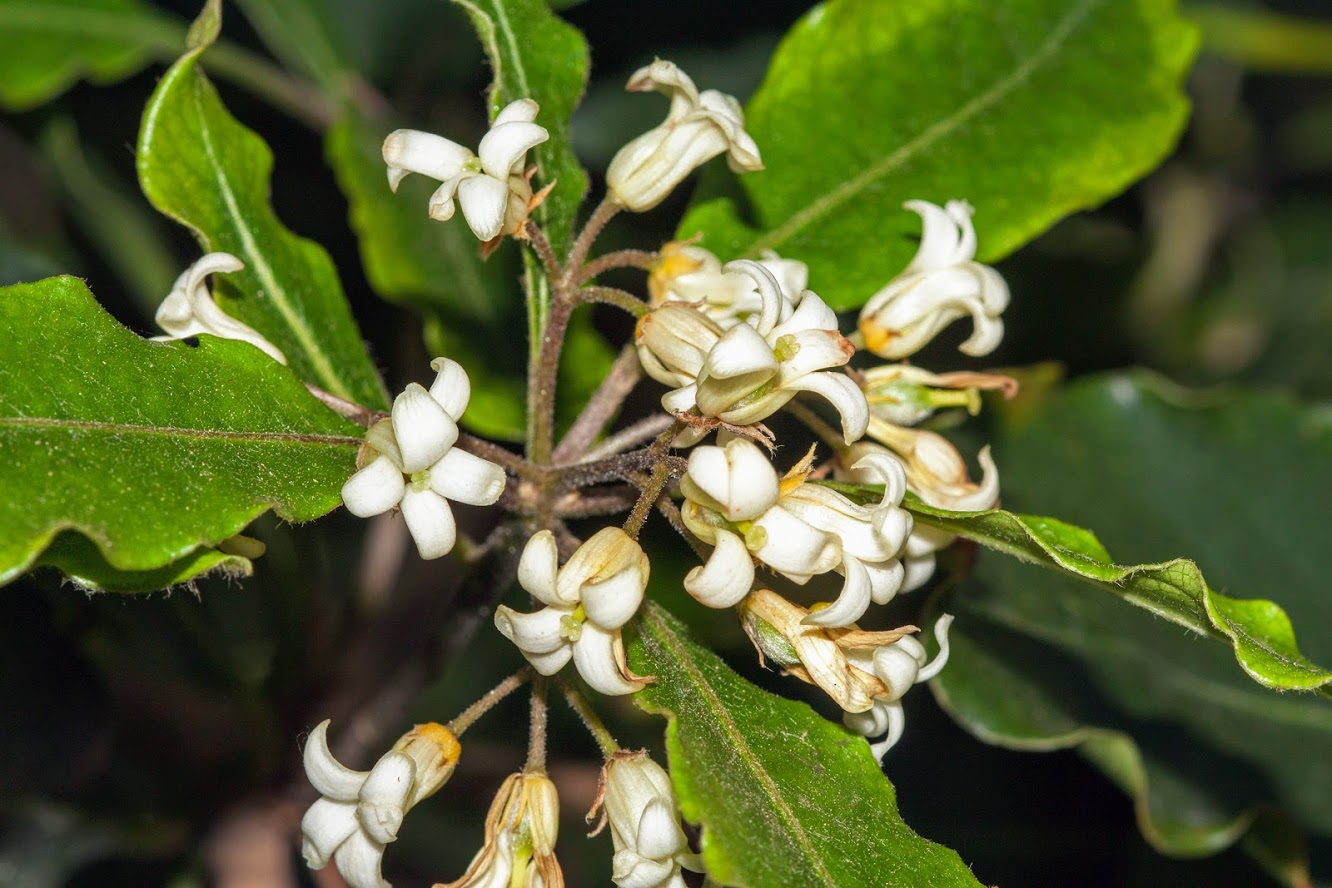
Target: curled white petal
[
  {"x": 412, "y": 151},
  {"x": 430, "y": 521},
  {"x": 852, "y": 603},
  {"x": 423, "y": 430},
  {"x": 330, "y": 777},
  {"x": 737, "y": 477},
  {"x": 384, "y": 797},
  {"x": 374, "y": 489},
  {"x": 451, "y": 388},
  {"x": 600, "y": 659},
  {"x": 727, "y": 576},
  {"x": 359, "y": 861},
  {"x": 611, "y": 603},
  {"x": 504, "y": 147},
  {"x": 538, "y": 566},
  {"x": 467, "y": 478},
  {"x": 325, "y": 826},
  {"x": 540, "y": 632}
]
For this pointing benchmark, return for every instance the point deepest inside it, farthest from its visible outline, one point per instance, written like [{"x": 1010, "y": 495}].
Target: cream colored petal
[
  {"x": 423, "y": 430},
  {"x": 327, "y": 775},
  {"x": 540, "y": 632},
  {"x": 940, "y": 659},
  {"x": 325, "y": 826},
  {"x": 451, "y": 388},
  {"x": 359, "y": 861},
  {"x": 600, "y": 659},
  {"x": 430, "y": 521},
  {"x": 374, "y": 489},
  {"x": 504, "y": 147},
  {"x": 538, "y": 568},
  {"x": 467, "y": 478},
  {"x": 728, "y": 575},
  {"x": 412, "y": 151},
  {"x": 612, "y": 603},
  {"x": 519, "y": 111},
  {"x": 484, "y": 202},
  {"x": 844, "y": 395},
  {"x": 852, "y": 603},
  {"x": 384, "y": 796}
]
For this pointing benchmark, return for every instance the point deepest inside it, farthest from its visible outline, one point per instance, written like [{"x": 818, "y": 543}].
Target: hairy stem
[
  {"x": 621, "y": 299},
  {"x": 536, "y": 738},
  {"x": 468, "y": 716},
  {"x": 350, "y": 409},
  {"x": 601, "y": 408},
  {"x": 630, "y": 436},
  {"x": 656, "y": 483},
  {"x": 542, "y": 381},
  {"x": 643, "y": 259},
  {"x": 595, "y": 726},
  {"x": 604, "y": 212}
]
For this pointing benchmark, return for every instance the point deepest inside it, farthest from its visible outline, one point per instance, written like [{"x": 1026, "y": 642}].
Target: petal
[
  {"x": 887, "y": 578},
  {"x": 359, "y": 861},
  {"x": 325, "y": 826},
  {"x": 897, "y": 668},
  {"x": 540, "y": 632},
  {"x": 430, "y": 521},
  {"x": 738, "y": 477},
  {"x": 942, "y": 240},
  {"x": 871, "y": 723},
  {"x": 423, "y": 430},
  {"x": 940, "y": 659},
  {"x": 611, "y": 603},
  {"x": 451, "y": 388},
  {"x": 537, "y": 569},
  {"x": 728, "y": 575},
  {"x": 741, "y": 350},
  {"x": 441, "y": 207},
  {"x": 467, "y": 478},
  {"x": 374, "y": 489},
  {"x": 384, "y": 796},
  {"x": 521, "y": 110},
  {"x": 793, "y": 547},
  {"x": 632, "y": 870},
  {"x": 852, "y": 603},
  {"x": 772, "y": 300},
  {"x": 845, "y": 396},
  {"x": 659, "y": 834},
  {"x": 502, "y": 149},
  {"x": 599, "y": 658},
  {"x": 412, "y": 151},
  {"x": 327, "y": 775},
  {"x": 881, "y": 467},
  {"x": 484, "y": 203}
]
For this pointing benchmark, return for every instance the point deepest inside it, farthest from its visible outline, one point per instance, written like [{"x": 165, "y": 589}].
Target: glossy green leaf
[
  {"x": 784, "y": 796},
  {"x": 1021, "y": 107},
  {"x": 1236, "y": 481},
  {"x": 48, "y": 45},
  {"x": 535, "y": 55},
  {"x": 150, "y": 449},
  {"x": 203, "y": 168}
]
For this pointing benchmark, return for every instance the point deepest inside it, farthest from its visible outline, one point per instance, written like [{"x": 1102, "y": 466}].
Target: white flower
[
  {"x": 650, "y": 846},
  {"x": 688, "y": 273},
  {"x": 904, "y": 395},
  {"x": 698, "y": 127},
  {"x": 521, "y": 829},
  {"x": 751, "y": 370},
  {"x": 935, "y": 471},
  {"x": 589, "y": 599},
  {"x": 734, "y": 500},
  {"x": 491, "y": 185},
  {"x": 189, "y": 309},
  {"x": 409, "y": 462},
  {"x": 899, "y": 666},
  {"x": 360, "y": 812},
  {"x": 941, "y": 284}
]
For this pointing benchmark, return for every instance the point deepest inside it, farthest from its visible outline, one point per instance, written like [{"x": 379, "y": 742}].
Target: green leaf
[
  {"x": 76, "y": 556},
  {"x": 46, "y": 46},
  {"x": 1021, "y": 107},
  {"x": 1236, "y": 480},
  {"x": 784, "y": 796},
  {"x": 409, "y": 257},
  {"x": 150, "y": 449},
  {"x": 535, "y": 55},
  {"x": 203, "y": 168},
  {"x": 1258, "y": 630}
]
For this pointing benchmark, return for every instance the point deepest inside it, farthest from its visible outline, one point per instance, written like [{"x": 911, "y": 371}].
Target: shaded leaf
[
  {"x": 1021, "y": 107},
  {"x": 203, "y": 168},
  {"x": 75, "y": 556},
  {"x": 46, "y": 46},
  {"x": 150, "y": 449},
  {"x": 784, "y": 796}
]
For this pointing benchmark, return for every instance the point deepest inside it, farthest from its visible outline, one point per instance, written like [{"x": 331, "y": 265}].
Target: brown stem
[
  {"x": 541, "y": 244},
  {"x": 661, "y": 474},
  {"x": 604, "y": 212},
  {"x": 536, "y": 738},
  {"x": 621, "y": 299},
  {"x": 501, "y": 456},
  {"x": 593, "y": 505},
  {"x": 542, "y": 379},
  {"x": 603, "y": 405},
  {"x": 595, "y": 726},
  {"x": 631, "y": 436},
  {"x": 619, "y": 259},
  {"x": 468, "y": 716},
  {"x": 350, "y": 409}
]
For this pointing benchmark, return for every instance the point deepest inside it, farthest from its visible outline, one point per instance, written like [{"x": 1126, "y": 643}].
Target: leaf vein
[{"x": 90, "y": 425}]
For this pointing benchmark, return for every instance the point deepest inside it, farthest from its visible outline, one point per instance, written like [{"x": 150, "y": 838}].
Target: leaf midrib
[
  {"x": 89, "y": 425},
  {"x": 853, "y": 187},
  {"x": 662, "y": 632}
]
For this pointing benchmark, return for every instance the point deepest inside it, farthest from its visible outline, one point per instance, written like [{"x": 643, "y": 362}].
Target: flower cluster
[
  {"x": 735, "y": 344},
  {"x": 409, "y": 462}
]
